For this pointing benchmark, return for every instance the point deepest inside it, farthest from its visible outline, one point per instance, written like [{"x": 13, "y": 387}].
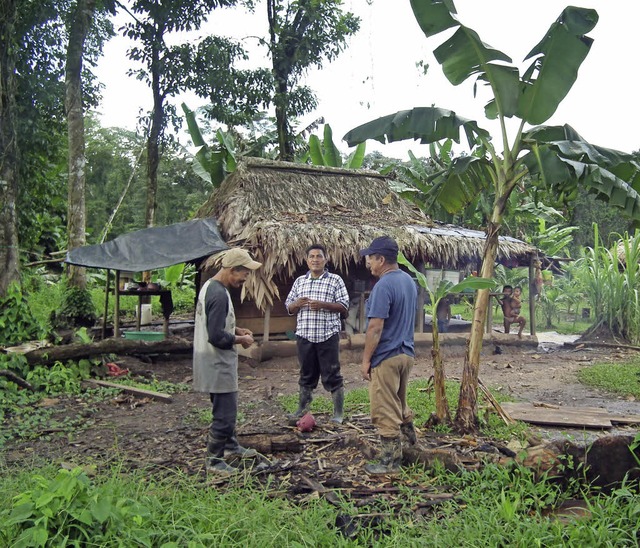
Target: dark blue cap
[{"x": 383, "y": 245}]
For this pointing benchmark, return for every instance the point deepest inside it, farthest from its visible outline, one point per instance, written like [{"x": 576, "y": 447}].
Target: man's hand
[
  {"x": 316, "y": 305},
  {"x": 245, "y": 340},
  {"x": 365, "y": 369},
  {"x": 243, "y": 331},
  {"x": 301, "y": 302}
]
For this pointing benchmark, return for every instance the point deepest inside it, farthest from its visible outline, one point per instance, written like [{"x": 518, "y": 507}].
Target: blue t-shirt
[{"x": 394, "y": 299}]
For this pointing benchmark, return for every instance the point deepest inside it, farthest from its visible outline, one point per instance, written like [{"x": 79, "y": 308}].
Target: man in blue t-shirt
[{"x": 388, "y": 355}]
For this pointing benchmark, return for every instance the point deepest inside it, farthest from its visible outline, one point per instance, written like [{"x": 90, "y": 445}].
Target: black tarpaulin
[{"x": 153, "y": 248}]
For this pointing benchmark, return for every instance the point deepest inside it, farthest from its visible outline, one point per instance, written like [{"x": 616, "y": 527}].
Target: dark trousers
[
  {"x": 225, "y": 411},
  {"x": 320, "y": 360}
]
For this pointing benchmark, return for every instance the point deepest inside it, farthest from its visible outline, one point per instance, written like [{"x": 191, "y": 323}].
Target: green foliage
[
  {"x": 41, "y": 31},
  {"x": 326, "y": 153},
  {"x": 585, "y": 211},
  {"x": 619, "y": 378},
  {"x": 611, "y": 279},
  {"x": 177, "y": 276},
  {"x": 15, "y": 363},
  {"x": 17, "y": 324},
  {"x": 76, "y": 308},
  {"x": 213, "y": 162},
  {"x": 492, "y": 506},
  {"x": 549, "y": 304},
  {"x": 112, "y": 160},
  {"x": 60, "y": 378},
  {"x": 511, "y": 276},
  {"x": 70, "y": 509},
  {"x": 21, "y": 416},
  {"x": 553, "y": 240}
]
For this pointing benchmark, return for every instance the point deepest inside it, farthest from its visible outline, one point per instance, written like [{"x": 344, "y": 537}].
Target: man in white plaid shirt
[{"x": 319, "y": 298}]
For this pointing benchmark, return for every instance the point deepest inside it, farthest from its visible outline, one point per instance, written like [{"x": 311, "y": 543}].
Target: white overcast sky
[{"x": 377, "y": 74}]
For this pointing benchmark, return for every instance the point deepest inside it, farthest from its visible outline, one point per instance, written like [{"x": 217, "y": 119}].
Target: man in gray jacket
[{"x": 215, "y": 357}]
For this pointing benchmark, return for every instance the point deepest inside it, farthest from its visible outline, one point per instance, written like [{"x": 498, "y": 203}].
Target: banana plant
[
  {"x": 556, "y": 156},
  {"x": 445, "y": 287},
  {"x": 210, "y": 162},
  {"x": 326, "y": 153}
]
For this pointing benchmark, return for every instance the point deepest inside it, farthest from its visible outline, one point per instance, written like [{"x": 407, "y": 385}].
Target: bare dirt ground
[{"x": 143, "y": 432}]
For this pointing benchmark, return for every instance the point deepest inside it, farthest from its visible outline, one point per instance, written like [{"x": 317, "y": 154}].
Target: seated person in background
[
  {"x": 511, "y": 305},
  {"x": 443, "y": 314}
]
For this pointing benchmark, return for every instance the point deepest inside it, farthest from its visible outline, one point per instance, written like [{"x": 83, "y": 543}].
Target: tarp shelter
[{"x": 150, "y": 249}]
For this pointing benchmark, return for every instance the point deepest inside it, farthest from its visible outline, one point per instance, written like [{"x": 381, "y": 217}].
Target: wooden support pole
[
  {"x": 532, "y": 300},
  {"x": 267, "y": 321},
  {"x": 106, "y": 305},
  {"x": 116, "y": 307}
]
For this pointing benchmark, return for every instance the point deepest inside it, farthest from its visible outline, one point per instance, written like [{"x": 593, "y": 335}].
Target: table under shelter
[{"x": 145, "y": 250}]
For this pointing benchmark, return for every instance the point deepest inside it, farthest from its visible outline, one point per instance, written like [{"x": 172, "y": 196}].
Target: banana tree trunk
[
  {"x": 467, "y": 414},
  {"x": 442, "y": 405}
]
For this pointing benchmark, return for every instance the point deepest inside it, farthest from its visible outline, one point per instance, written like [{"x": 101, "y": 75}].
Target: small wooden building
[{"x": 277, "y": 209}]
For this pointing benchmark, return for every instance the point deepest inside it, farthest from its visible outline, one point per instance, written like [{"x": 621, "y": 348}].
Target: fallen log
[
  {"x": 14, "y": 378},
  {"x": 78, "y": 351},
  {"x": 271, "y": 443},
  {"x": 598, "y": 344},
  {"x": 160, "y": 396},
  {"x": 429, "y": 458}
]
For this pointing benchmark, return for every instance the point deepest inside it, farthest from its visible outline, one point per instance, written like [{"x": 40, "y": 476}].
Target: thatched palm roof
[{"x": 277, "y": 209}]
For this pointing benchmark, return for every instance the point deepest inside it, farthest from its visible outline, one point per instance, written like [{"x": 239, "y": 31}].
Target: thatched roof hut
[{"x": 277, "y": 209}]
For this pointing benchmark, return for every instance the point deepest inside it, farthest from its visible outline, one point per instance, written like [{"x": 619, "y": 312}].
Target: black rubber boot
[
  {"x": 233, "y": 449},
  {"x": 409, "y": 435},
  {"x": 338, "y": 405},
  {"x": 304, "y": 402},
  {"x": 215, "y": 458},
  {"x": 390, "y": 458}
]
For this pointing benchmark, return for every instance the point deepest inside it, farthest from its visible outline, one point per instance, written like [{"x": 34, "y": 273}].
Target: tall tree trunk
[
  {"x": 467, "y": 414},
  {"x": 153, "y": 144},
  {"x": 9, "y": 153},
  {"x": 76, "y": 222},
  {"x": 285, "y": 146},
  {"x": 280, "y": 72}
]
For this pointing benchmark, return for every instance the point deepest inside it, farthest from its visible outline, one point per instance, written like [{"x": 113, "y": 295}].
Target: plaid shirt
[{"x": 318, "y": 325}]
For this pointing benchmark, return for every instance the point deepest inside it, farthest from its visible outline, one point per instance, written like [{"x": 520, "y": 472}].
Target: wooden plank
[
  {"x": 625, "y": 419},
  {"x": 160, "y": 396},
  {"x": 564, "y": 416}
]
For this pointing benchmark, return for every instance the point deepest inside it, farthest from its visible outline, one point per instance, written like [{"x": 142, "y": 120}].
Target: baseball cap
[
  {"x": 239, "y": 257},
  {"x": 383, "y": 245}
]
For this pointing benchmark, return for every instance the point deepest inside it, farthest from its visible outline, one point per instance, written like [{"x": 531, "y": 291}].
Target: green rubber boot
[
  {"x": 390, "y": 458},
  {"x": 304, "y": 402},
  {"x": 338, "y": 405}
]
